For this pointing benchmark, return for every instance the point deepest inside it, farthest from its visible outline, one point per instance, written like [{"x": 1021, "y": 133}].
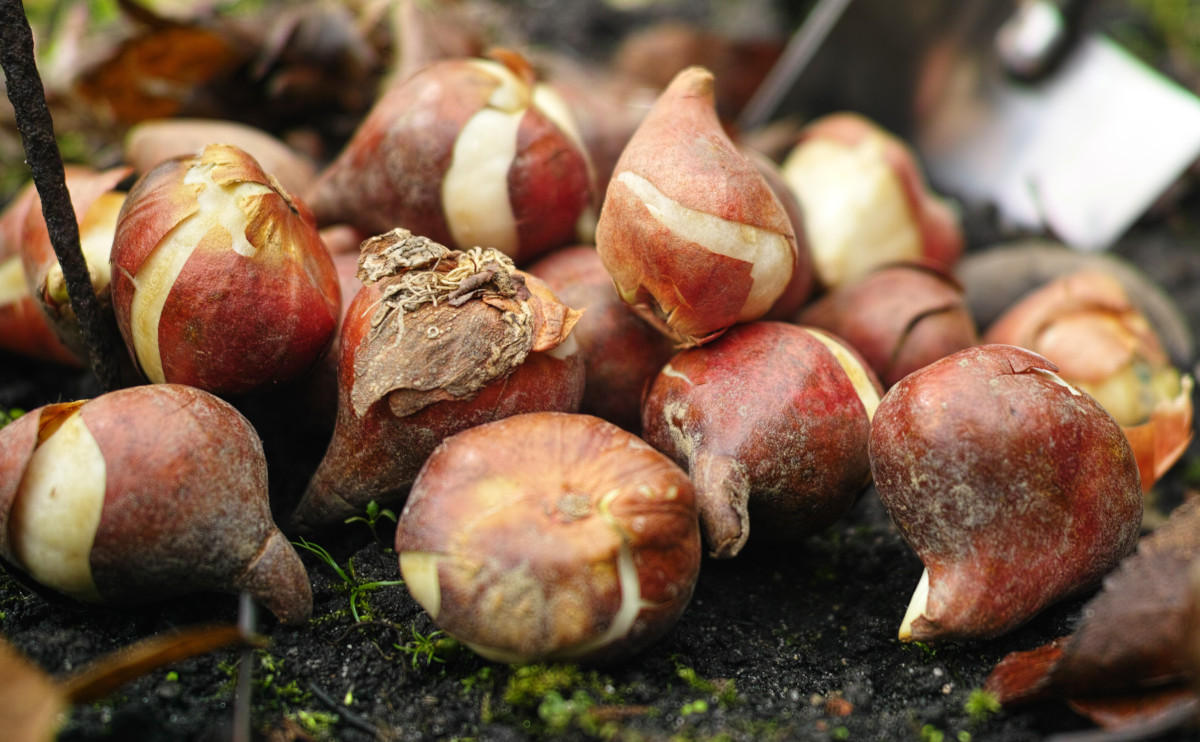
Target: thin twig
[
  {"x": 28, "y": 97},
  {"x": 343, "y": 711},
  {"x": 247, "y": 618}
]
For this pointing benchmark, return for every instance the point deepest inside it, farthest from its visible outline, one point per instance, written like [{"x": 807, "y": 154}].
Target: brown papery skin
[
  {"x": 679, "y": 286},
  {"x": 185, "y": 504},
  {"x": 769, "y": 426},
  {"x": 621, "y": 353},
  {"x": 530, "y": 514},
  {"x": 900, "y": 318},
  {"x": 231, "y": 323},
  {"x": 1012, "y": 489},
  {"x": 390, "y": 174},
  {"x": 377, "y": 456},
  {"x": 940, "y": 227}
]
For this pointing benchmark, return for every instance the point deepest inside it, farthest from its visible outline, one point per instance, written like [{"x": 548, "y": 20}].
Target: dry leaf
[
  {"x": 1128, "y": 641},
  {"x": 33, "y": 705}
]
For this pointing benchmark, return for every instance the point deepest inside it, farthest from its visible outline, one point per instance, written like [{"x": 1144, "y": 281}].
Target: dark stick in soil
[
  {"x": 247, "y": 615},
  {"x": 28, "y": 97},
  {"x": 347, "y": 715}
]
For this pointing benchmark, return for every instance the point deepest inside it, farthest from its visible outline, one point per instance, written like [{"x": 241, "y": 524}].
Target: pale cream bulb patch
[
  {"x": 916, "y": 607},
  {"x": 420, "y": 572},
  {"x": 12, "y": 281},
  {"x": 856, "y": 215},
  {"x": 475, "y": 197},
  {"x": 57, "y": 510}
]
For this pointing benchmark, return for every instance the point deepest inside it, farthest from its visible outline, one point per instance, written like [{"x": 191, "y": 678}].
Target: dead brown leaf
[
  {"x": 1129, "y": 640},
  {"x": 33, "y": 705}
]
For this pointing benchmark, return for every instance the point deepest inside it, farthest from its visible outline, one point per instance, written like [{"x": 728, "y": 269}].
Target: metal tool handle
[{"x": 1037, "y": 36}]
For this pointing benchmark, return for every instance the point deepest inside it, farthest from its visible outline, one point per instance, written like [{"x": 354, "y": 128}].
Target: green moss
[
  {"x": 723, "y": 691},
  {"x": 7, "y": 416},
  {"x": 483, "y": 677},
  {"x": 980, "y": 705},
  {"x": 528, "y": 685},
  {"x": 699, "y": 706},
  {"x": 319, "y": 723},
  {"x": 561, "y": 697},
  {"x": 930, "y": 733}
]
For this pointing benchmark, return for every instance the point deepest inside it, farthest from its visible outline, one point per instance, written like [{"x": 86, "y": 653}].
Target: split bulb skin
[
  {"x": 376, "y": 452},
  {"x": 551, "y": 537},
  {"x": 690, "y": 232},
  {"x": 220, "y": 279},
  {"x": 167, "y": 493},
  {"x": 23, "y": 328},
  {"x": 771, "y": 422},
  {"x": 1014, "y": 489},
  {"x": 465, "y": 152}
]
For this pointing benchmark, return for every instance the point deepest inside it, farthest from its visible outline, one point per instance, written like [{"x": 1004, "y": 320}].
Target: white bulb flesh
[
  {"x": 12, "y": 281},
  {"x": 916, "y": 607},
  {"x": 854, "y": 369},
  {"x": 769, "y": 254},
  {"x": 856, "y": 215},
  {"x": 511, "y": 94},
  {"x": 564, "y": 350},
  {"x": 57, "y": 510},
  {"x": 475, "y": 197},
  {"x": 420, "y": 572},
  {"x": 96, "y": 237}
]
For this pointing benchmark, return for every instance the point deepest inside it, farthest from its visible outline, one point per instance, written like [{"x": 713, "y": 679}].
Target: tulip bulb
[
  {"x": 220, "y": 278},
  {"x": 97, "y": 206},
  {"x": 466, "y": 152},
  {"x": 621, "y": 353},
  {"x": 1013, "y": 487},
  {"x": 142, "y": 494},
  {"x": 151, "y": 142},
  {"x": 550, "y": 536},
  {"x": 436, "y": 341},
  {"x": 23, "y": 327},
  {"x": 771, "y": 422},
  {"x": 690, "y": 231}
]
